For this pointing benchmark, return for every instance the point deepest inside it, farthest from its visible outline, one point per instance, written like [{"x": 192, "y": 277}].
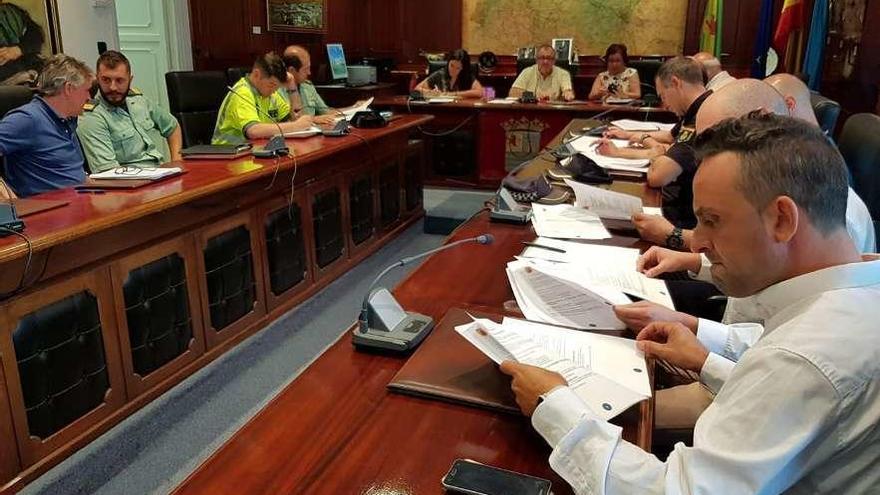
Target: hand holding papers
[
  {"x": 608, "y": 373},
  {"x": 605, "y": 203}
]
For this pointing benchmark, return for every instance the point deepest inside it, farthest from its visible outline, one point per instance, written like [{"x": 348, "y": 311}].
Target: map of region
[{"x": 647, "y": 27}]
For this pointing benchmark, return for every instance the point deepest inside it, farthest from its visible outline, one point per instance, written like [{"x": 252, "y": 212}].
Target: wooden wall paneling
[
  {"x": 97, "y": 284},
  {"x": 316, "y": 190},
  {"x": 9, "y": 463},
  {"x": 382, "y": 25},
  {"x": 219, "y": 34},
  {"x": 184, "y": 247},
  {"x": 281, "y": 202},
  {"x": 429, "y": 26},
  {"x": 214, "y": 336}
]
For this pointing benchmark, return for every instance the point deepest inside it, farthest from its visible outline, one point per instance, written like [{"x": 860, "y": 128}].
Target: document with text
[{"x": 567, "y": 222}]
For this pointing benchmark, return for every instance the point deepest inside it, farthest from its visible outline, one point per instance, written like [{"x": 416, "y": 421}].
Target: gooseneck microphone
[
  {"x": 384, "y": 324},
  {"x": 276, "y": 146}
]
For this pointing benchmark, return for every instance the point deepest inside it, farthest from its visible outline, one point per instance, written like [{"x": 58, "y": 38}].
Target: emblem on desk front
[{"x": 522, "y": 140}]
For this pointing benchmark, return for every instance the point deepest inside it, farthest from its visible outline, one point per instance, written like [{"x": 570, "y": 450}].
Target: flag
[
  {"x": 791, "y": 19},
  {"x": 816, "y": 45},
  {"x": 762, "y": 40},
  {"x": 710, "y": 33}
]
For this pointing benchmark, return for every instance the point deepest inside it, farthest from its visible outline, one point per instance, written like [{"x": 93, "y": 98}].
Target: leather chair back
[
  {"x": 827, "y": 111},
  {"x": 233, "y": 74},
  {"x": 195, "y": 98},
  {"x": 859, "y": 144},
  {"x": 13, "y": 97},
  {"x": 647, "y": 69}
]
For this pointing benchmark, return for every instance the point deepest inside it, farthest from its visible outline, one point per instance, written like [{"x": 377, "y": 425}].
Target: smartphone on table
[{"x": 473, "y": 478}]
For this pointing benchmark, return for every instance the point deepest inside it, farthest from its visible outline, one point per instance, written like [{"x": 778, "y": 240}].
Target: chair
[
  {"x": 435, "y": 65},
  {"x": 826, "y": 110},
  {"x": 233, "y": 74},
  {"x": 647, "y": 69},
  {"x": 195, "y": 98},
  {"x": 859, "y": 144},
  {"x": 13, "y": 97}
]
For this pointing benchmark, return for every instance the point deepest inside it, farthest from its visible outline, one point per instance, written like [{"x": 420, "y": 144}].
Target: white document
[
  {"x": 567, "y": 222},
  {"x": 311, "y": 131},
  {"x": 605, "y": 203},
  {"x": 614, "y": 100},
  {"x": 639, "y": 125},
  {"x": 500, "y": 101},
  {"x": 609, "y": 266},
  {"x": 360, "y": 108},
  {"x": 608, "y": 373},
  {"x": 586, "y": 145},
  {"x": 653, "y": 210},
  {"x": 544, "y": 293},
  {"x": 135, "y": 173},
  {"x": 440, "y": 99}
]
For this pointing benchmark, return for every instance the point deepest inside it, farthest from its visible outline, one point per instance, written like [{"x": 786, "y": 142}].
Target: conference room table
[
  {"x": 117, "y": 295},
  {"x": 474, "y": 142},
  {"x": 337, "y": 428}
]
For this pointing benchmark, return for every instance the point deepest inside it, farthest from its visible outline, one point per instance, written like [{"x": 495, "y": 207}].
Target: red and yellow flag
[
  {"x": 710, "y": 33},
  {"x": 791, "y": 19}
]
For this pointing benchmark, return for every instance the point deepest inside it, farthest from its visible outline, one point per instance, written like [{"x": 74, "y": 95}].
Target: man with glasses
[
  {"x": 544, "y": 79},
  {"x": 124, "y": 127},
  {"x": 254, "y": 108},
  {"x": 38, "y": 139}
]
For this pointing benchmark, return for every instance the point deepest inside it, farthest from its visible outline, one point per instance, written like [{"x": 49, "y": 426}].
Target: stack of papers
[
  {"x": 311, "y": 131},
  {"x": 586, "y": 145},
  {"x": 608, "y": 373},
  {"x": 639, "y": 125},
  {"x": 567, "y": 222},
  {"x": 135, "y": 173},
  {"x": 504, "y": 101},
  {"x": 440, "y": 99},
  {"x": 360, "y": 108}
]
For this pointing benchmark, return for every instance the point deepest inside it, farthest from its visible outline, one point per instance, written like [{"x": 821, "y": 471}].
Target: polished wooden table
[
  {"x": 337, "y": 429},
  {"x": 476, "y": 143},
  {"x": 211, "y": 256}
]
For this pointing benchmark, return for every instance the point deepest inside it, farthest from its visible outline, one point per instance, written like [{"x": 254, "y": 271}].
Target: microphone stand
[{"x": 383, "y": 323}]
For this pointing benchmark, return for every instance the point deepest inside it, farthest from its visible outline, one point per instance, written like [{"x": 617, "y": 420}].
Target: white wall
[{"x": 83, "y": 26}]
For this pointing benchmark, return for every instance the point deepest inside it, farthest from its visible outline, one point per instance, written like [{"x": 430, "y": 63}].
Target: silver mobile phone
[{"x": 473, "y": 478}]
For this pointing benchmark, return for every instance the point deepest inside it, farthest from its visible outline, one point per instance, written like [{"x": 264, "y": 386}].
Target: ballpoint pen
[{"x": 541, "y": 246}]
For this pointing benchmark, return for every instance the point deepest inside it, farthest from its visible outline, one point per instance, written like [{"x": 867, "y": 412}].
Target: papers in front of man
[
  {"x": 567, "y": 222},
  {"x": 593, "y": 266},
  {"x": 641, "y": 125},
  {"x": 311, "y": 131},
  {"x": 608, "y": 373},
  {"x": 586, "y": 145},
  {"x": 135, "y": 173},
  {"x": 605, "y": 203},
  {"x": 349, "y": 113}
]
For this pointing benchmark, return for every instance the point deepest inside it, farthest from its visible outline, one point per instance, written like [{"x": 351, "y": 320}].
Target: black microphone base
[{"x": 404, "y": 337}]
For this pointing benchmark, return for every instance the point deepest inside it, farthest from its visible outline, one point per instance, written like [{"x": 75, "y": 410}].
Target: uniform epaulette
[
  {"x": 134, "y": 92},
  {"x": 89, "y": 106}
]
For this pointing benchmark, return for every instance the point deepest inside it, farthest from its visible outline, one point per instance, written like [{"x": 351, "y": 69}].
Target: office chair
[
  {"x": 826, "y": 110},
  {"x": 13, "y": 97},
  {"x": 195, "y": 98},
  {"x": 859, "y": 144},
  {"x": 233, "y": 74}
]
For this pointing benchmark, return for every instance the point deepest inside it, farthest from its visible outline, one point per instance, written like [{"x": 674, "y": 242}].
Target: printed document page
[{"x": 567, "y": 222}]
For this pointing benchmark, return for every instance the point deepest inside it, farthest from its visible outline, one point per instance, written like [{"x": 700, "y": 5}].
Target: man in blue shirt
[{"x": 38, "y": 139}]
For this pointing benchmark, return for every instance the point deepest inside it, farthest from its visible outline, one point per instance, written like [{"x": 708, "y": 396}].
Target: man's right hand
[
  {"x": 616, "y": 133},
  {"x": 673, "y": 343},
  {"x": 659, "y": 260},
  {"x": 639, "y": 315}
]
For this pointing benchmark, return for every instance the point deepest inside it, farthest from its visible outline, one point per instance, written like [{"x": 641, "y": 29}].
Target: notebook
[{"x": 216, "y": 151}]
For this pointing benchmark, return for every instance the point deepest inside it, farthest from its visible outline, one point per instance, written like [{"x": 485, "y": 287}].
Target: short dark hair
[
  {"x": 684, "y": 68},
  {"x": 111, "y": 60},
  {"x": 618, "y": 48},
  {"x": 783, "y": 156},
  {"x": 271, "y": 65}
]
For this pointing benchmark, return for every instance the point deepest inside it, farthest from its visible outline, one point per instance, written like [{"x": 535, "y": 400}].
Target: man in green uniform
[
  {"x": 301, "y": 93},
  {"x": 123, "y": 127},
  {"x": 254, "y": 108}
]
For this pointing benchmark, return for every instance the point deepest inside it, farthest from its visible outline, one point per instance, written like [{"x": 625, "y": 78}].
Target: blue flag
[
  {"x": 816, "y": 44},
  {"x": 763, "y": 40}
]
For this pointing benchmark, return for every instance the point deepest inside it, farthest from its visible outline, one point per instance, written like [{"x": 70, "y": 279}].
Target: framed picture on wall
[
  {"x": 563, "y": 48},
  {"x": 297, "y": 16},
  {"x": 29, "y": 33}
]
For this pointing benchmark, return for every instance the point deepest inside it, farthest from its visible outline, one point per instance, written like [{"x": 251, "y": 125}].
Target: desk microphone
[
  {"x": 276, "y": 146},
  {"x": 383, "y": 323}
]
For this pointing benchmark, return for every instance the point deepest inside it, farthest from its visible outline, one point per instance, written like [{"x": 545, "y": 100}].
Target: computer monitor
[{"x": 336, "y": 56}]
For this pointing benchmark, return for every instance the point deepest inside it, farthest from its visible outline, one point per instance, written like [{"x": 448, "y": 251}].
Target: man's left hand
[
  {"x": 529, "y": 383},
  {"x": 652, "y": 228}
]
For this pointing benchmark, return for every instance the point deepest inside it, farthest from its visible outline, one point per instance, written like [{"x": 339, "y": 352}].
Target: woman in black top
[{"x": 456, "y": 79}]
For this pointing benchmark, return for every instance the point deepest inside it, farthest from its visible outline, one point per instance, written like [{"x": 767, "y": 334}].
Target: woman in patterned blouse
[{"x": 618, "y": 81}]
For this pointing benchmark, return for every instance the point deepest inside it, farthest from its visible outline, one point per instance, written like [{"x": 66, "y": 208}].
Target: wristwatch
[
  {"x": 642, "y": 138},
  {"x": 674, "y": 240}
]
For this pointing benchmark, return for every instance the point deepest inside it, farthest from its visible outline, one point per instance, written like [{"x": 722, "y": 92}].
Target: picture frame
[
  {"x": 34, "y": 31},
  {"x": 297, "y": 16},
  {"x": 564, "y": 47}
]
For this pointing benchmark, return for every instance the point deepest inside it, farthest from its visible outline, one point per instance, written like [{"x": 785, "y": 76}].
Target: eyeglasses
[{"x": 132, "y": 170}]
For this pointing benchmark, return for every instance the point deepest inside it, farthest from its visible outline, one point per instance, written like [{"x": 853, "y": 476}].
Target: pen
[
  {"x": 548, "y": 248},
  {"x": 94, "y": 191}
]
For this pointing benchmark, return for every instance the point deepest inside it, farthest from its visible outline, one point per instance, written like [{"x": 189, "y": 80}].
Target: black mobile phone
[{"x": 474, "y": 478}]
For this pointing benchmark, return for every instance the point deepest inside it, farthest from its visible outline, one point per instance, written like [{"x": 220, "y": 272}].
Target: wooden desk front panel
[{"x": 9, "y": 464}]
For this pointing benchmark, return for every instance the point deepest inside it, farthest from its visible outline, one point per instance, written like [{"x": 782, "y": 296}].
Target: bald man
[
  {"x": 796, "y": 94},
  {"x": 301, "y": 93},
  {"x": 679, "y": 407},
  {"x": 715, "y": 77}
]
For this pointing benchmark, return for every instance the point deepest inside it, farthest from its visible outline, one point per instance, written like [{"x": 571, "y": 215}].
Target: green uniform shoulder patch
[
  {"x": 134, "y": 92},
  {"x": 89, "y": 106}
]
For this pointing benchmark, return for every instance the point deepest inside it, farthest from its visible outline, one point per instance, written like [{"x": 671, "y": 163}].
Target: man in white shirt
[
  {"x": 715, "y": 77},
  {"x": 799, "y": 412},
  {"x": 547, "y": 81}
]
